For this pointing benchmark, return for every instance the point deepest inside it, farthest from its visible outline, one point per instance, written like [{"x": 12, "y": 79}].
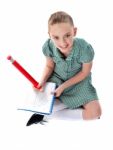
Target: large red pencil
[{"x": 23, "y": 71}]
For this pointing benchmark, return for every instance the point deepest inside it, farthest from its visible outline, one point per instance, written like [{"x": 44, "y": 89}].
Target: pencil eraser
[{"x": 9, "y": 57}]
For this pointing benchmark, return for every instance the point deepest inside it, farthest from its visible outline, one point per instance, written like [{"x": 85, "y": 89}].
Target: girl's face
[{"x": 62, "y": 35}]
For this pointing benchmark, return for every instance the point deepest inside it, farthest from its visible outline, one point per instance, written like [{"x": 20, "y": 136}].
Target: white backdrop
[{"x": 23, "y": 30}]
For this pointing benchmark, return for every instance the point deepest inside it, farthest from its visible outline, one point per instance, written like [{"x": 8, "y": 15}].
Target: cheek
[{"x": 70, "y": 41}]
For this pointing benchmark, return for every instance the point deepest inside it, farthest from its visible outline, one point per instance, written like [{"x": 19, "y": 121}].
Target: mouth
[{"x": 64, "y": 47}]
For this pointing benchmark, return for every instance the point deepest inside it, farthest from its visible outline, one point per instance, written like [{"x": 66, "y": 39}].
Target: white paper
[{"x": 40, "y": 102}]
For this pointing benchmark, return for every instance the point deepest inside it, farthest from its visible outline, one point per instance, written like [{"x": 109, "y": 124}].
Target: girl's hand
[
  {"x": 40, "y": 87},
  {"x": 58, "y": 91}
]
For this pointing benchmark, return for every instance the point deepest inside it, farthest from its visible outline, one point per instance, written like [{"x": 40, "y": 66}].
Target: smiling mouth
[{"x": 64, "y": 47}]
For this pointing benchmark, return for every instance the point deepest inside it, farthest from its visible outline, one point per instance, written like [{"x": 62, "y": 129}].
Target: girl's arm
[
  {"x": 86, "y": 68},
  {"x": 49, "y": 67}
]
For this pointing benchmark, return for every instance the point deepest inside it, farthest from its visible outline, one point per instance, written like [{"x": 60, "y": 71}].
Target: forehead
[{"x": 60, "y": 28}]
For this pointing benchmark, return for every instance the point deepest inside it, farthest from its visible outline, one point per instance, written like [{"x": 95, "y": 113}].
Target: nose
[{"x": 63, "y": 43}]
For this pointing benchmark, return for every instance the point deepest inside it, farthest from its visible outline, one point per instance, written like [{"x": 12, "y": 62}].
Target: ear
[{"x": 75, "y": 31}]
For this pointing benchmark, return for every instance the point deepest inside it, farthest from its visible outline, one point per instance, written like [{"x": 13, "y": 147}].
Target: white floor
[{"x": 56, "y": 134}]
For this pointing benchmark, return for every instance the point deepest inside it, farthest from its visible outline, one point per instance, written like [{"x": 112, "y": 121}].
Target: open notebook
[{"x": 39, "y": 102}]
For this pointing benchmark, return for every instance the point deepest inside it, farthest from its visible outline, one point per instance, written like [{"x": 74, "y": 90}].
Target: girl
[{"x": 68, "y": 64}]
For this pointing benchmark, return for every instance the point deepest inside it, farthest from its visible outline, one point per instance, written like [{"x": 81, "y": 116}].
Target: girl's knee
[
  {"x": 92, "y": 111},
  {"x": 91, "y": 114},
  {"x": 96, "y": 113}
]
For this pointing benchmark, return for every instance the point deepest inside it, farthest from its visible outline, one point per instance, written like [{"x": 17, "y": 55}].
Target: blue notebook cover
[{"x": 40, "y": 102}]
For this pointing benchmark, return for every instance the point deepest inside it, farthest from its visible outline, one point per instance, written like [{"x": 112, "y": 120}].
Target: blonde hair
[{"x": 60, "y": 17}]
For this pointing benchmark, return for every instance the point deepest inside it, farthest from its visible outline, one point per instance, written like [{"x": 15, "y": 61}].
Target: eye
[
  {"x": 68, "y": 35},
  {"x": 55, "y": 37}
]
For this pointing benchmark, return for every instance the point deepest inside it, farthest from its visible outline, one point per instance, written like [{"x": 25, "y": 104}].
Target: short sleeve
[
  {"x": 87, "y": 53},
  {"x": 47, "y": 50}
]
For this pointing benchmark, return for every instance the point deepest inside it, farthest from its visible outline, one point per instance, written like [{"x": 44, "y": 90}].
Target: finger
[
  {"x": 36, "y": 88},
  {"x": 56, "y": 95},
  {"x": 39, "y": 86},
  {"x": 41, "y": 89}
]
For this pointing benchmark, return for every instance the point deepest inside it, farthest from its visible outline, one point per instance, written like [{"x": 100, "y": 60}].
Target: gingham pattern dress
[{"x": 65, "y": 68}]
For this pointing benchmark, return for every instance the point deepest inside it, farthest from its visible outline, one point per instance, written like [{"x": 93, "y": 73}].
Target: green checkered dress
[{"x": 65, "y": 68}]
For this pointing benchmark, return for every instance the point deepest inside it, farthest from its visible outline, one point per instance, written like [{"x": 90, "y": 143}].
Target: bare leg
[
  {"x": 89, "y": 111},
  {"x": 92, "y": 110}
]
